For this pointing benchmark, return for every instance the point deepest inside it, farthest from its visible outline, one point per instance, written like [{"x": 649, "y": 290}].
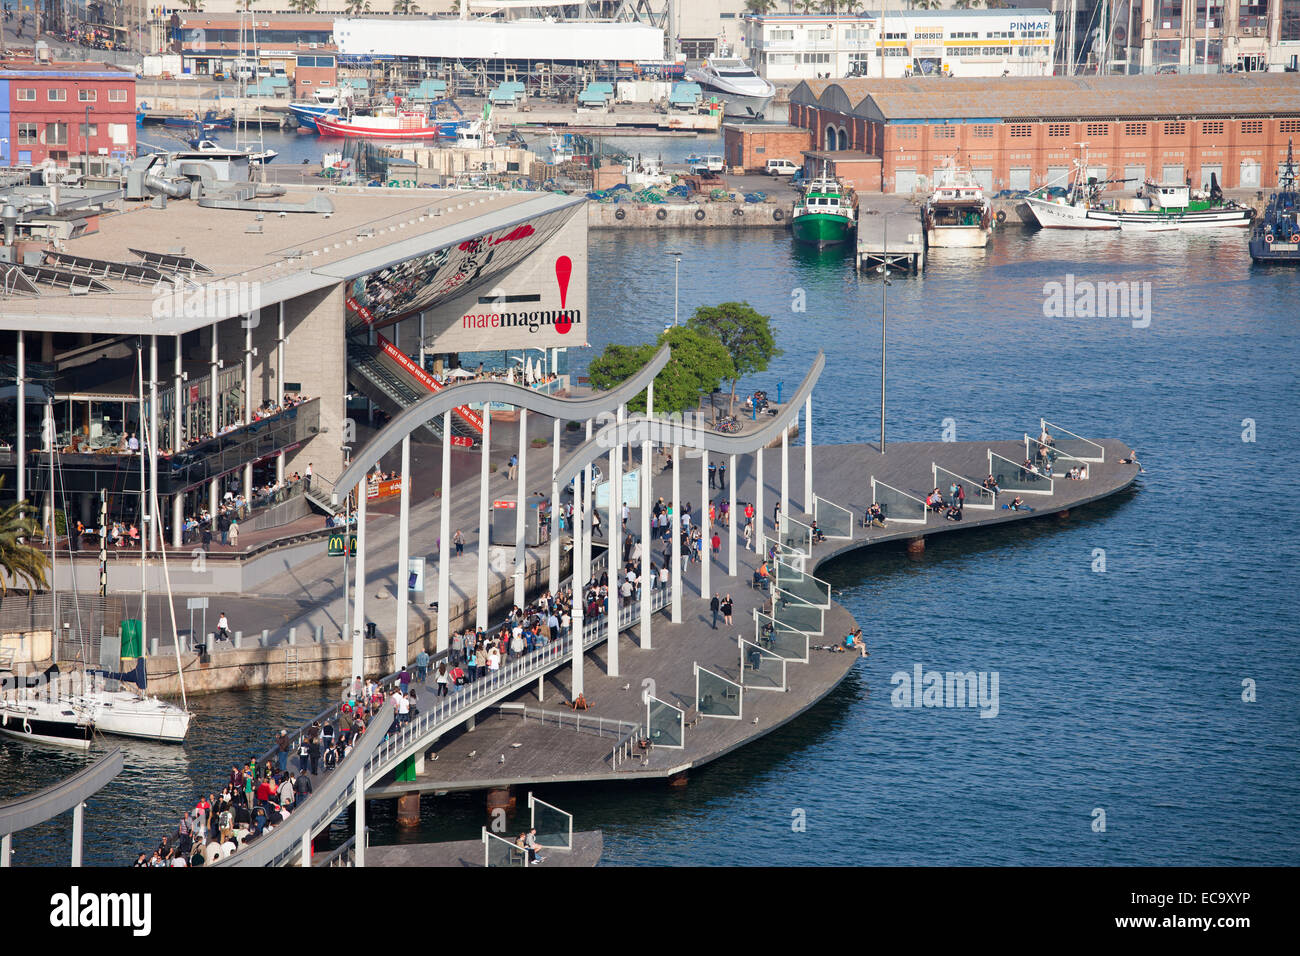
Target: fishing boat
[
  {"x": 1157, "y": 207},
  {"x": 1275, "y": 236},
  {"x": 211, "y": 149},
  {"x": 957, "y": 216},
  {"x": 744, "y": 93},
  {"x": 825, "y": 214},
  {"x": 383, "y": 123},
  {"x": 325, "y": 101}
]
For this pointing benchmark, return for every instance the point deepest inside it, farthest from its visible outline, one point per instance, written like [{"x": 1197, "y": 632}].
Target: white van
[
  {"x": 712, "y": 164},
  {"x": 781, "y": 167}
]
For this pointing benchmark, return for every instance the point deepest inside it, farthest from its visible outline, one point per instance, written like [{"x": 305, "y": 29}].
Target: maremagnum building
[{"x": 242, "y": 329}]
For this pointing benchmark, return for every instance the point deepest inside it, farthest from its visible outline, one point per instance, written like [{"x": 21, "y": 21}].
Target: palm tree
[
  {"x": 405, "y": 7},
  {"x": 358, "y": 6},
  {"x": 20, "y": 560},
  {"x": 963, "y": 4},
  {"x": 760, "y": 7},
  {"x": 303, "y": 6},
  {"x": 807, "y": 6}
]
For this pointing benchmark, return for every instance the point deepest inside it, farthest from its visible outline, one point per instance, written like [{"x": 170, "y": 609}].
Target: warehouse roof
[{"x": 1055, "y": 97}]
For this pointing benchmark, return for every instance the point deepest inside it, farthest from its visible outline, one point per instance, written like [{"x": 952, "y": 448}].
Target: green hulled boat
[{"x": 825, "y": 214}]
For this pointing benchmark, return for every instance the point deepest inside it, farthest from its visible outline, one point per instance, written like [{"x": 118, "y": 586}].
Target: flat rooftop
[{"x": 287, "y": 254}]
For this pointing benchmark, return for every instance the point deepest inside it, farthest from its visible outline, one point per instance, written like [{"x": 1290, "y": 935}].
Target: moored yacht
[
  {"x": 743, "y": 92},
  {"x": 957, "y": 215}
]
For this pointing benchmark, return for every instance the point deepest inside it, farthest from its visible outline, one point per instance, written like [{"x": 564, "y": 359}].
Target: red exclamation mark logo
[{"x": 563, "y": 269}]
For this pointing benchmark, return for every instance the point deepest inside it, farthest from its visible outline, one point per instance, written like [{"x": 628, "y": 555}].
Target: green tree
[
  {"x": 745, "y": 333},
  {"x": 760, "y": 7},
  {"x": 358, "y": 6},
  {"x": 20, "y": 560},
  {"x": 405, "y": 7},
  {"x": 699, "y": 364},
  {"x": 807, "y": 6}
]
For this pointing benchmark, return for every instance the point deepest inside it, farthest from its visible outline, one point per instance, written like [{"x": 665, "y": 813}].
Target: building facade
[
  {"x": 1002, "y": 42},
  {"x": 1020, "y": 134},
  {"x": 65, "y": 111}
]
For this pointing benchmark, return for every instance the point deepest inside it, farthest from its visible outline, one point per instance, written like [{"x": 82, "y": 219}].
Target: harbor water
[{"x": 1144, "y": 647}]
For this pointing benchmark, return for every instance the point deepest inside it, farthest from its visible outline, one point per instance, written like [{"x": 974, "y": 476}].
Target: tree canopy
[
  {"x": 699, "y": 364},
  {"x": 745, "y": 333},
  {"x": 21, "y": 561}
]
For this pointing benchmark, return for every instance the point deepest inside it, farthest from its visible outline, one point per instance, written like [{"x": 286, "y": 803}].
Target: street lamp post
[
  {"x": 676, "y": 274},
  {"x": 884, "y": 302}
]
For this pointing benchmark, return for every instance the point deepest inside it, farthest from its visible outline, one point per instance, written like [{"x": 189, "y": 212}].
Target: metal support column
[
  {"x": 521, "y": 492},
  {"x": 759, "y": 519},
  {"x": 785, "y": 471},
  {"x": 155, "y": 520},
  {"x": 706, "y": 531},
  {"x": 177, "y": 443},
  {"x": 359, "y": 589},
  {"x": 22, "y": 436},
  {"x": 614, "y": 553},
  {"x": 587, "y": 499},
  {"x": 554, "y": 583},
  {"x": 807, "y": 456},
  {"x": 676, "y": 576},
  {"x": 78, "y": 832},
  {"x": 359, "y": 841},
  {"x": 647, "y": 456},
  {"x": 444, "y": 540},
  {"x": 732, "y": 517},
  {"x": 214, "y": 426},
  {"x": 581, "y": 534},
  {"x": 484, "y": 531},
  {"x": 403, "y": 557},
  {"x": 279, "y": 383}
]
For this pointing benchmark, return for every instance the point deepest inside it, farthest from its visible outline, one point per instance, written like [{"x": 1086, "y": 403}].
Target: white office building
[{"x": 969, "y": 43}]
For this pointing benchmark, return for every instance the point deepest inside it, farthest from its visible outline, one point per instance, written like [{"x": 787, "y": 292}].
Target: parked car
[
  {"x": 782, "y": 167},
  {"x": 711, "y": 164}
]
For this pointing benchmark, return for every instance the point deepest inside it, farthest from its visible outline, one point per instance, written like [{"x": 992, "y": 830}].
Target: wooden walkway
[
  {"x": 587, "y": 849},
  {"x": 506, "y": 749}
]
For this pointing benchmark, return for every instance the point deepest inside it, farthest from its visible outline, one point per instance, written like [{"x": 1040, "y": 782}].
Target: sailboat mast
[
  {"x": 51, "y": 434},
  {"x": 144, "y": 490}
]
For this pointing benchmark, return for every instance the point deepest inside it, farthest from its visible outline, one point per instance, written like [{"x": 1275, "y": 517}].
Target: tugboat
[
  {"x": 826, "y": 214},
  {"x": 1276, "y": 235},
  {"x": 957, "y": 216}
]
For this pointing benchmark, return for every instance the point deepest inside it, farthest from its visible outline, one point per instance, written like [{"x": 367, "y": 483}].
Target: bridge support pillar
[
  {"x": 501, "y": 798},
  {"x": 408, "y": 810},
  {"x": 678, "y": 779},
  {"x": 469, "y": 724},
  {"x": 675, "y": 579},
  {"x": 915, "y": 547}
]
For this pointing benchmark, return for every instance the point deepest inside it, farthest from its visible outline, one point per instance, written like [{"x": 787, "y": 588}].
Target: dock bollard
[
  {"x": 293, "y": 636},
  {"x": 239, "y": 639},
  {"x": 153, "y": 646},
  {"x": 266, "y": 638},
  {"x": 319, "y": 636}
]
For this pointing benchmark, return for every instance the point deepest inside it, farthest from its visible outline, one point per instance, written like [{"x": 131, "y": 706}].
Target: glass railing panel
[
  {"x": 793, "y": 614},
  {"x": 499, "y": 852},
  {"x": 833, "y": 520},
  {"x": 794, "y": 580},
  {"x": 795, "y": 536},
  {"x": 1074, "y": 445},
  {"x": 1015, "y": 477},
  {"x": 781, "y": 640},
  {"x": 715, "y": 696},
  {"x": 666, "y": 724},
  {"x": 1052, "y": 461},
  {"x": 897, "y": 505},
  {"x": 554, "y": 826},
  {"x": 760, "y": 669},
  {"x": 977, "y": 496}
]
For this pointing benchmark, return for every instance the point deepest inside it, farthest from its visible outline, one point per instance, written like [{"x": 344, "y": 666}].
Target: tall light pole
[
  {"x": 677, "y": 265},
  {"x": 884, "y": 302}
]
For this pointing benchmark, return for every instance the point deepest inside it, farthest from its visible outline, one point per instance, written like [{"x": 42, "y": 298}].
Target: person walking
[
  {"x": 223, "y": 627},
  {"x": 722, "y": 474},
  {"x": 714, "y": 606},
  {"x": 459, "y": 541},
  {"x": 713, "y": 472},
  {"x": 511, "y": 465},
  {"x": 306, "y": 477},
  {"x": 421, "y": 665},
  {"x": 234, "y": 534},
  {"x": 726, "y": 610},
  {"x": 282, "y": 745},
  {"x": 313, "y": 749},
  {"x": 442, "y": 679},
  {"x": 717, "y": 543}
]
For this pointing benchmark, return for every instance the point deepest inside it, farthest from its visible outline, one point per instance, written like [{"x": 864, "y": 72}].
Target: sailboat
[
  {"x": 114, "y": 701},
  {"x": 37, "y": 713}
]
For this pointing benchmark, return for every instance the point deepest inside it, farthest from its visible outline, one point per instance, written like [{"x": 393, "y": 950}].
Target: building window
[
  {"x": 1252, "y": 126},
  {"x": 944, "y": 132},
  {"x": 697, "y": 49},
  {"x": 117, "y": 96},
  {"x": 87, "y": 96},
  {"x": 1289, "y": 126},
  {"x": 26, "y": 93},
  {"x": 1214, "y": 128},
  {"x": 905, "y": 132},
  {"x": 1098, "y": 129},
  {"x": 1020, "y": 132},
  {"x": 56, "y": 96},
  {"x": 85, "y": 132},
  {"x": 28, "y": 134},
  {"x": 982, "y": 132},
  {"x": 781, "y": 59},
  {"x": 1135, "y": 129},
  {"x": 56, "y": 134},
  {"x": 1175, "y": 129},
  {"x": 1058, "y": 129},
  {"x": 780, "y": 36},
  {"x": 822, "y": 58}
]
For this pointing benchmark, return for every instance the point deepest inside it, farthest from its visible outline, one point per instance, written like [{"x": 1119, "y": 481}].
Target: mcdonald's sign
[{"x": 341, "y": 543}]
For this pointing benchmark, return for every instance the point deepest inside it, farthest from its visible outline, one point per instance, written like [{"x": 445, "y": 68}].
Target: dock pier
[{"x": 891, "y": 239}]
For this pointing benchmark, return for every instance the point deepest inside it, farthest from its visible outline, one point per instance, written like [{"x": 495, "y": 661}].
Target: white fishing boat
[
  {"x": 211, "y": 149},
  {"x": 33, "y": 710},
  {"x": 744, "y": 93},
  {"x": 957, "y": 215}
]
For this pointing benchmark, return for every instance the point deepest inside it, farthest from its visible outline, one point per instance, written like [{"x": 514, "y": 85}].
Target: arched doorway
[
  {"x": 844, "y": 138},
  {"x": 829, "y": 138}
]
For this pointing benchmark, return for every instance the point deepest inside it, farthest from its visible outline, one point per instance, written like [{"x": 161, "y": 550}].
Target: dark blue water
[{"x": 1119, "y": 691}]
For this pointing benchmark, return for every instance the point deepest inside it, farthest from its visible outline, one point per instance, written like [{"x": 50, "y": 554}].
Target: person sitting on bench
[{"x": 875, "y": 517}]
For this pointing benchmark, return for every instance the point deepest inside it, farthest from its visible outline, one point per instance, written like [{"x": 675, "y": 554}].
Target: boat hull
[
  {"x": 1052, "y": 215},
  {"x": 38, "y": 729},
  {"x": 332, "y": 127},
  {"x": 957, "y": 237},
  {"x": 1281, "y": 252},
  {"x": 817, "y": 229},
  {"x": 126, "y": 715}
]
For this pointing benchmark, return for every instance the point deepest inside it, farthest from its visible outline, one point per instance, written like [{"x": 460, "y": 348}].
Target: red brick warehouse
[
  {"x": 44, "y": 109},
  {"x": 1020, "y": 132}
]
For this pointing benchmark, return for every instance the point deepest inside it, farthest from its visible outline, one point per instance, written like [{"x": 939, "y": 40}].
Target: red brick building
[
  {"x": 65, "y": 111},
  {"x": 751, "y": 145},
  {"x": 1020, "y": 132}
]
